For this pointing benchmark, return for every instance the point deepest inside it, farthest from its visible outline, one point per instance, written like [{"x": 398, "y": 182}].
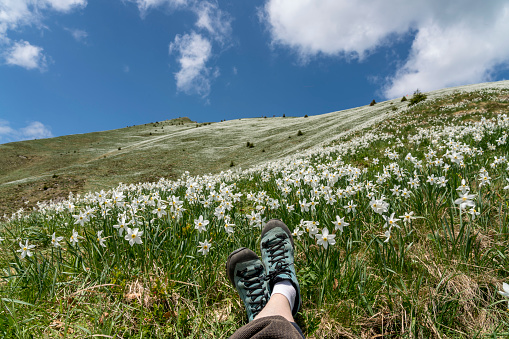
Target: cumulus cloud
[
  {"x": 455, "y": 42},
  {"x": 14, "y": 14},
  {"x": 452, "y": 56},
  {"x": 213, "y": 20},
  {"x": 65, "y": 5},
  {"x": 25, "y": 55},
  {"x": 145, "y": 5},
  {"x": 193, "y": 51},
  {"x": 34, "y": 130}
]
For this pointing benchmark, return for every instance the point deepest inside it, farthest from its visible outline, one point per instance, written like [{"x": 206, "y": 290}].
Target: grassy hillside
[
  {"x": 49, "y": 168},
  {"x": 39, "y": 170},
  {"x": 414, "y": 199}
]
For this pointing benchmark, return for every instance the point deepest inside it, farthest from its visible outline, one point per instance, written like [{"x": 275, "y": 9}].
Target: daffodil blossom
[
  {"x": 350, "y": 207},
  {"x": 465, "y": 200},
  {"x": 505, "y": 292},
  {"x": 340, "y": 223},
  {"x": 201, "y": 224},
  {"x": 160, "y": 210},
  {"x": 204, "y": 247},
  {"x": 297, "y": 232},
  {"x": 25, "y": 249},
  {"x": 379, "y": 206},
  {"x": 387, "y": 235},
  {"x": 390, "y": 221},
  {"x": 74, "y": 237},
  {"x": 55, "y": 240},
  {"x": 311, "y": 228},
  {"x": 133, "y": 236},
  {"x": 463, "y": 187},
  {"x": 100, "y": 239},
  {"x": 122, "y": 224},
  {"x": 228, "y": 227},
  {"x": 473, "y": 212},
  {"x": 325, "y": 239},
  {"x": 81, "y": 218},
  {"x": 407, "y": 217}
]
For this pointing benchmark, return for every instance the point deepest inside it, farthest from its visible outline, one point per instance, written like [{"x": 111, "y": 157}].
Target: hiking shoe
[
  {"x": 277, "y": 256},
  {"x": 247, "y": 274}
]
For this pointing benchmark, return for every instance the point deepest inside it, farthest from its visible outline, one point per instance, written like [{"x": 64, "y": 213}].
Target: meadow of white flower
[{"x": 402, "y": 222}]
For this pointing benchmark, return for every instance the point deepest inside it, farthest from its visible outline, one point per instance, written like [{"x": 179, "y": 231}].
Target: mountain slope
[{"x": 50, "y": 168}]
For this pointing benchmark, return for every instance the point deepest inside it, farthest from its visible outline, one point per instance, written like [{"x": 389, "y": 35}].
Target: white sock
[{"x": 285, "y": 288}]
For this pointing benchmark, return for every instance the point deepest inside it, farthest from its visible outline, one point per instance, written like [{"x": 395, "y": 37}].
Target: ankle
[{"x": 285, "y": 288}]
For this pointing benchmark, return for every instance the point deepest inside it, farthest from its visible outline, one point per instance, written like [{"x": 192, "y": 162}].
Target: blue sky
[{"x": 79, "y": 66}]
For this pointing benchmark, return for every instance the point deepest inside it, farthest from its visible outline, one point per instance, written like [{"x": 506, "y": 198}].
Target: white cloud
[
  {"x": 213, "y": 20},
  {"x": 65, "y": 5},
  {"x": 145, "y": 5},
  {"x": 456, "y": 41},
  {"x": 452, "y": 56},
  {"x": 78, "y": 34},
  {"x": 34, "y": 130},
  {"x": 5, "y": 129},
  {"x": 14, "y": 14},
  {"x": 194, "y": 49},
  {"x": 193, "y": 52},
  {"x": 25, "y": 55}
]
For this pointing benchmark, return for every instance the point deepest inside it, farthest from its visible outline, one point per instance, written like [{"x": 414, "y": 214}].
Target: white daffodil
[
  {"x": 122, "y": 224},
  {"x": 407, "y": 217},
  {"x": 463, "y": 187},
  {"x": 505, "y": 291},
  {"x": 379, "y": 206},
  {"x": 74, "y": 237},
  {"x": 325, "y": 239},
  {"x": 204, "y": 247},
  {"x": 340, "y": 223},
  {"x": 55, "y": 240},
  {"x": 390, "y": 221},
  {"x": 133, "y": 236},
  {"x": 350, "y": 207},
  {"x": 160, "y": 210},
  {"x": 101, "y": 239},
  {"x": 474, "y": 212},
  {"x": 311, "y": 228},
  {"x": 387, "y": 235},
  {"x": 297, "y": 232},
  {"x": 201, "y": 224},
  {"x": 465, "y": 200},
  {"x": 25, "y": 249},
  {"x": 228, "y": 227},
  {"x": 81, "y": 218},
  {"x": 304, "y": 206}
]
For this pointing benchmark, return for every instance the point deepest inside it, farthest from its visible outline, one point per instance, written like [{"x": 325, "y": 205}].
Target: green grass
[{"x": 436, "y": 276}]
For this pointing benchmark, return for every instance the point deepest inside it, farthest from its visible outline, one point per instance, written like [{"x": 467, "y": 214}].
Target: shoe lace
[
  {"x": 277, "y": 255},
  {"x": 253, "y": 283}
]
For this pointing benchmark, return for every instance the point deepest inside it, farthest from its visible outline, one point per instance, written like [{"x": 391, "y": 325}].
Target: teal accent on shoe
[
  {"x": 246, "y": 272},
  {"x": 278, "y": 257}
]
